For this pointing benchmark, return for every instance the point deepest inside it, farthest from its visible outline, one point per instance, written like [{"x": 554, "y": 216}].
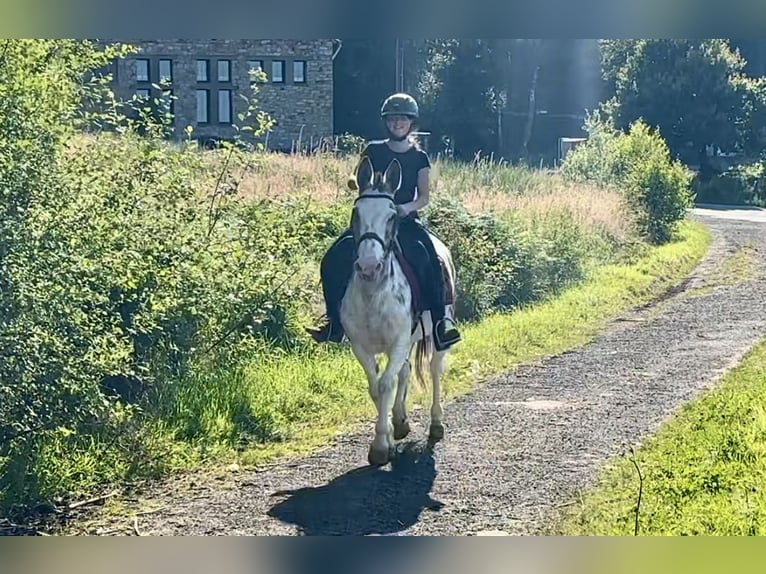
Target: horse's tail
[{"x": 423, "y": 351}]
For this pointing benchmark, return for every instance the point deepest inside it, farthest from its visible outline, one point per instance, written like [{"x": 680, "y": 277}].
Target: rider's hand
[{"x": 402, "y": 210}]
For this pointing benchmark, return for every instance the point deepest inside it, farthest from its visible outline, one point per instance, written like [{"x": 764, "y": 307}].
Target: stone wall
[{"x": 301, "y": 110}]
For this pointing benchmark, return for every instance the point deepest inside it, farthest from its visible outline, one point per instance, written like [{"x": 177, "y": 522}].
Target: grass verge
[{"x": 703, "y": 472}]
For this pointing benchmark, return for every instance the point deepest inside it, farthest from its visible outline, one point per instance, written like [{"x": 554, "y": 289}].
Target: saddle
[{"x": 414, "y": 281}]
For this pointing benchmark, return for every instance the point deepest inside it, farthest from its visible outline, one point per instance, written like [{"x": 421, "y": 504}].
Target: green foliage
[
  {"x": 45, "y": 368},
  {"x": 751, "y": 122},
  {"x": 739, "y": 185},
  {"x": 683, "y": 87},
  {"x": 503, "y": 263},
  {"x": 350, "y": 143},
  {"x": 121, "y": 268},
  {"x": 695, "y": 92},
  {"x": 656, "y": 187},
  {"x": 459, "y": 87}
]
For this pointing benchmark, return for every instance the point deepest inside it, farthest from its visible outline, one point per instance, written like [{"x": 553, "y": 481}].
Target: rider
[{"x": 399, "y": 112}]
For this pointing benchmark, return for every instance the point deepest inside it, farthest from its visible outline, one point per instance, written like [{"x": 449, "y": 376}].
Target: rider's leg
[
  {"x": 419, "y": 250},
  {"x": 336, "y": 269}
]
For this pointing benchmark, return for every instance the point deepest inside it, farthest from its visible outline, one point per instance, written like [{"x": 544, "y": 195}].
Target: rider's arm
[{"x": 424, "y": 192}]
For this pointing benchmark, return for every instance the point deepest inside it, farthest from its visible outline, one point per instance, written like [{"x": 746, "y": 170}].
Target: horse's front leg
[
  {"x": 383, "y": 444},
  {"x": 401, "y": 424},
  {"x": 370, "y": 366}
]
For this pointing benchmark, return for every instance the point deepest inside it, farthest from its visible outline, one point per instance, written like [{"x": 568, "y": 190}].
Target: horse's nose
[{"x": 368, "y": 267}]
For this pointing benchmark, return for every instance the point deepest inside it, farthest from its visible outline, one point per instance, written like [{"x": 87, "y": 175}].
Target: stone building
[{"x": 207, "y": 77}]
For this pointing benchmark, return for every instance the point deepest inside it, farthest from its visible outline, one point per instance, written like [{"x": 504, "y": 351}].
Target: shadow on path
[{"x": 366, "y": 500}]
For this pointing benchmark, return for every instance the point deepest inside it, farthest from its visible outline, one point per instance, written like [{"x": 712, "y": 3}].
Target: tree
[
  {"x": 684, "y": 87},
  {"x": 463, "y": 89},
  {"x": 364, "y": 76}
]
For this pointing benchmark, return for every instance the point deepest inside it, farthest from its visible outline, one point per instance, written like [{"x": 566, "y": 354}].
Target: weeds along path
[{"x": 522, "y": 445}]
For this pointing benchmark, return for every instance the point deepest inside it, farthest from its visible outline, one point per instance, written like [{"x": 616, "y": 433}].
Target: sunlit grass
[{"x": 704, "y": 472}]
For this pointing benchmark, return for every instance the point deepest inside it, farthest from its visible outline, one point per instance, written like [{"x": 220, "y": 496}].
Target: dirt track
[{"x": 523, "y": 443}]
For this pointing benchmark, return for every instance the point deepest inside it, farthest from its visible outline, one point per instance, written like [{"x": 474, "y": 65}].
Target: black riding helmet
[{"x": 400, "y": 105}]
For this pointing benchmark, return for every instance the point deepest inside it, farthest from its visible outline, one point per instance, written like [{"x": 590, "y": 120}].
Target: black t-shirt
[{"x": 412, "y": 161}]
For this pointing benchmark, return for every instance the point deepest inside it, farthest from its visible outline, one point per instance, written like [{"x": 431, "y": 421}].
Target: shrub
[
  {"x": 47, "y": 362},
  {"x": 739, "y": 185},
  {"x": 504, "y": 263},
  {"x": 656, "y": 187},
  {"x": 121, "y": 269}
]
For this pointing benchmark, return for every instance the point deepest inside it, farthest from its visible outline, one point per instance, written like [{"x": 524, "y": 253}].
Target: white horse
[{"x": 377, "y": 313}]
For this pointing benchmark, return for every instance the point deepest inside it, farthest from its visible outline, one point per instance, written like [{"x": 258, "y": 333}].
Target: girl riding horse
[{"x": 399, "y": 112}]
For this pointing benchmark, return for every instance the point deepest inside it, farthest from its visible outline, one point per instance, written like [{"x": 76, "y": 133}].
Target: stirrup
[
  {"x": 327, "y": 333},
  {"x": 442, "y": 345}
]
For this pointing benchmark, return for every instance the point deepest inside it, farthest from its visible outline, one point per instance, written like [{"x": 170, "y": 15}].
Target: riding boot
[
  {"x": 444, "y": 335},
  {"x": 336, "y": 269}
]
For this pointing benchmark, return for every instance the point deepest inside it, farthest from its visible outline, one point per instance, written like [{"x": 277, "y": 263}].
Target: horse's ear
[
  {"x": 393, "y": 175},
  {"x": 364, "y": 174}
]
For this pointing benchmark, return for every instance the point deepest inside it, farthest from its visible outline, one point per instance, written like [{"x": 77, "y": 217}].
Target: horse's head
[{"x": 374, "y": 218}]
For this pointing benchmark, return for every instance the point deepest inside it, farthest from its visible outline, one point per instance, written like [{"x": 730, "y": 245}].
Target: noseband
[{"x": 371, "y": 234}]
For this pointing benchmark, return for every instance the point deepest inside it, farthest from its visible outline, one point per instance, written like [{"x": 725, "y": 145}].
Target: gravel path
[{"x": 523, "y": 443}]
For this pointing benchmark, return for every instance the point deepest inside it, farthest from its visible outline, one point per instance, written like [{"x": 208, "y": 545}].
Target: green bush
[
  {"x": 122, "y": 267},
  {"x": 638, "y": 163},
  {"x": 48, "y": 358},
  {"x": 738, "y": 185},
  {"x": 505, "y": 263}
]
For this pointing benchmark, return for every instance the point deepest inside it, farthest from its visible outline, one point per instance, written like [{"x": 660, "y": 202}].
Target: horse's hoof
[
  {"x": 401, "y": 430},
  {"x": 378, "y": 457},
  {"x": 436, "y": 431}
]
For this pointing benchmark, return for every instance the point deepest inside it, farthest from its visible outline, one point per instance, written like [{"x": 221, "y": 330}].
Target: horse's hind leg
[
  {"x": 436, "y": 429},
  {"x": 401, "y": 425}
]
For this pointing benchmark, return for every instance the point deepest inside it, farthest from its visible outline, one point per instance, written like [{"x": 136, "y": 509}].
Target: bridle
[{"x": 371, "y": 234}]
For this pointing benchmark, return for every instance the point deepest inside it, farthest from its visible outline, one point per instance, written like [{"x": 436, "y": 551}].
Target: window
[
  {"x": 203, "y": 70},
  {"x": 142, "y": 70},
  {"x": 166, "y": 71},
  {"x": 278, "y": 71},
  {"x": 299, "y": 71},
  {"x": 224, "y": 70},
  {"x": 203, "y": 106},
  {"x": 253, "y": 67},
  {"x": 224, "y": 106},
  {"x": 142, "y": 93}
]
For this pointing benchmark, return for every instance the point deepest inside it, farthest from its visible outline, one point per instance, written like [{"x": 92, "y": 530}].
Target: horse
[{"x": 378, "y": 315}]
